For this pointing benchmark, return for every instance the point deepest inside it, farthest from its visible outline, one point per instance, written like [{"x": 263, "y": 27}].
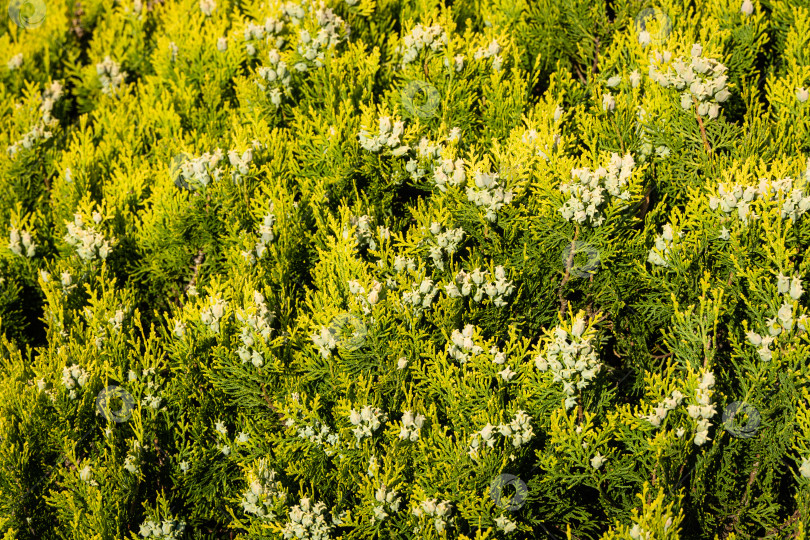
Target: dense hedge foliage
[{"x": 404, "y": 269}]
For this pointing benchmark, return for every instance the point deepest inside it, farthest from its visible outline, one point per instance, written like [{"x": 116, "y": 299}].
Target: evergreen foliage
[{"x": 389, "y": 269}]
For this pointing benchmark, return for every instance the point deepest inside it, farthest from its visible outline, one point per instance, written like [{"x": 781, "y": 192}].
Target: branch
[
  {"x": 567, "y": 271},
  {"x": 702, "y": 127},
  {"x": 629, "y": 372},
  {"x": 270, "y": 404},
  {"x": 618, "y": 135},
  {"x": 706, "y": 353},
  {"x": 644, "y": 203},
  {"x": 580, "y": 75},
  {"x": 789, "y": 521},
  {"x": 197, "y": 263},
  {"x": 680, "y": 474},
  {"x": 736, "y": 517}
]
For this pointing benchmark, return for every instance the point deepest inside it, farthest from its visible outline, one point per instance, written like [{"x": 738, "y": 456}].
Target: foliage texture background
[{"x": 298, "y": 353}]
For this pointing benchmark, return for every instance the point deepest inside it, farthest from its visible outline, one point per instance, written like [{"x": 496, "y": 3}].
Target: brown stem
[
  {"x": 644, "y": 204},
  {"x": 751, "y": 478},
  {"x": 619, "y": 135},
  {"x": 789, "y": 521},
  {"x": 580, "y": 75},
  {"x": 197, "y": 262},
  {"x": 702, "y": 128},
  {"x": 595, "y": 57},
  {"x": 270, "y": 404},
  {"x": 567, "y": 271},
  {"x": 706, "y": 347},
  {"x": 162, "y": 453},
  {"x": 735, "y": 518},
  {"x": 680, "y": 472}
]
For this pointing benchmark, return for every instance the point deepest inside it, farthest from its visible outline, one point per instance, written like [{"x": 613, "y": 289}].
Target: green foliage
[{"x": 377, "y": 269}]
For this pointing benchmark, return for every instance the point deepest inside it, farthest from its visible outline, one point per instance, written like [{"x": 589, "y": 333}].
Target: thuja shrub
[{"x": 394, "y": 269}]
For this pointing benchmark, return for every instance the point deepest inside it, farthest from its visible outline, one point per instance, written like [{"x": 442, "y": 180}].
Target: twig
[
  {"x": 789, "y": 521},
  {"x": 567, "y": 271},
  {"x": 595, "y": 57},
  {"x": 197, "y": 262},
  {"x": 706, "y": 347},
  {"x": 630, "y": 372},
  {"x": 161, "y": 450},
  {"x": 619, "y": 135},
  {"x": 751, "y": 478},
  {"x": 270, "y": 404},
  {"x": 680, "y": 473},
  {"x": 644, "y": 203},
  {"x": 580, "y": 75},
  {"x": 702, "y": 128},
  {"x": 161, "y": 454},
  {"x": 736, "y": 517}
]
